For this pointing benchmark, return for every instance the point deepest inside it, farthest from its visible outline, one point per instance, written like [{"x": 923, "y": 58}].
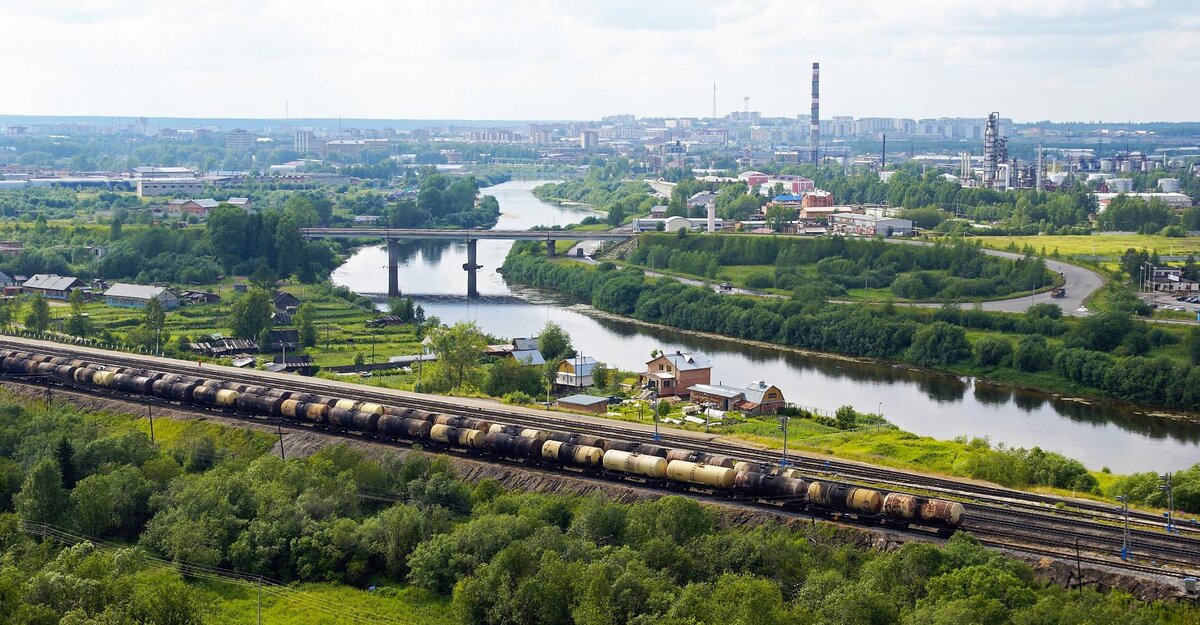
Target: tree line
[
  {"x": 1114, "y": 342},
  {"x": 499, "y": 557},
  {"x": 834, "y": 264}
]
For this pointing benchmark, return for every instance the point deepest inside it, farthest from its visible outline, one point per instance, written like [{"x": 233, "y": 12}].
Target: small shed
[{"x": 583, "y": 403}]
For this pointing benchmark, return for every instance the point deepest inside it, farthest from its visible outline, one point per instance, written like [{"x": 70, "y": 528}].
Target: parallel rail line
[{"x": 991, "y": 511}]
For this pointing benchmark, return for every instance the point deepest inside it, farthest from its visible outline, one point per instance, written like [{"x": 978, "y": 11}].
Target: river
[{"x": 942, "y": 406}]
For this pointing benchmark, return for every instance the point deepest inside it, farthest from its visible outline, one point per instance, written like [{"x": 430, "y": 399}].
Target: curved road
[{"x": 1079, "y": 283}]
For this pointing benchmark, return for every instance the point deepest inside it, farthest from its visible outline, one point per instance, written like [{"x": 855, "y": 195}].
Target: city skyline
[{"x": 1113, "y": 61}]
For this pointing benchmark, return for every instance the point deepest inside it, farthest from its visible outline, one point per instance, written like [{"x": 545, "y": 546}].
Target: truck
[{"x": 1058, "y": 292}]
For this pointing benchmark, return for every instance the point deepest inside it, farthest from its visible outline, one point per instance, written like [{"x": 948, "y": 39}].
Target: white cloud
[{"x": 547, "y": 59}]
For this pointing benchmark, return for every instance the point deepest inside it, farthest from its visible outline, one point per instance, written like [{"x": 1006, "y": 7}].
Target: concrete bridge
[{"x": 393, "y": 236}]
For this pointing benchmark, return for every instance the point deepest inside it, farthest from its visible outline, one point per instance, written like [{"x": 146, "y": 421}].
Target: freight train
[{"x": 626, "y": 460}]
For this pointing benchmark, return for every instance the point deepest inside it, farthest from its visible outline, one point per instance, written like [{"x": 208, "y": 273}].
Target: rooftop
[
  {"x": 50, "y": 282},
  {"x": 134, "y": 291},
  {"x": 583, "y": 400}
]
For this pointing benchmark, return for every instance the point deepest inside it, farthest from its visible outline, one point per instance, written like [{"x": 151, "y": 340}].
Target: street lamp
[{"x": 1125, "y": 535}]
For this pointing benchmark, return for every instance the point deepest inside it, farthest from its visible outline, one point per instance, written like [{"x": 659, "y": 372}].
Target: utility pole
[
  {"x": 1166, "y": 488},
  {"x": 655, "y": 407},
  {"x": 783, "y": 425},
  {"x": 260, "y": 601},
  {"x": 279, "y": 428},
  {"x": 1125, "y": 535},
  {"x": 1078, "y": 564},
  {"x": 150, "y": 414}
]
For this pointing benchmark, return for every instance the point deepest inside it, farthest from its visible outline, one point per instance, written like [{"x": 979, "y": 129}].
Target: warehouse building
[
  {"x": 52, "y": 285},
  {"x": 124, "y": 295},
  {"x": 854, "y": 224}
]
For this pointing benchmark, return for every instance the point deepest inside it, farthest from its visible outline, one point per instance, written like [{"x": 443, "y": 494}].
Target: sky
[{"x": 1063, "y": 60}]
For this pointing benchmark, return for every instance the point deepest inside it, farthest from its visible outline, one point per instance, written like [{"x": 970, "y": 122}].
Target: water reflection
[{"x": 942, "y": 406}]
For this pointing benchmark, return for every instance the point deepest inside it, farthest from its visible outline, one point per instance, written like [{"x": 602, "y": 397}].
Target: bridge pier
[
  {"x": 471, "y": 266},
  {"x": 393, "y": 252},
  {"x": 549, "y": 247}
]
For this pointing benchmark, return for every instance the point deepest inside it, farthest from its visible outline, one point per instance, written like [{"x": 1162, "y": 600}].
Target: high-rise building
[
  {"x": 238, "y": 139},
  {"x": 304, "y": 141},
  {"x": 588, "y": 139}
]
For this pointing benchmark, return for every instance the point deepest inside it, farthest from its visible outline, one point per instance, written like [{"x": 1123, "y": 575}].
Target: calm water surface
[{"x": 940, "y": 406}]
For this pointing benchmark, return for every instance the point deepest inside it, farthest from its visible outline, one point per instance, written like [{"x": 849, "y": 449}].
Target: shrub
[
  {"x": 518, "y": 398},
  {"x": 1032, "y": 354},
  {"x": 991, "y": 351},
  {"x": 940, "y": 343}
]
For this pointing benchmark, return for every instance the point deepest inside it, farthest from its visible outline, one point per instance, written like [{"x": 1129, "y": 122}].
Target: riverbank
[{"x": 1030, "y": 347}]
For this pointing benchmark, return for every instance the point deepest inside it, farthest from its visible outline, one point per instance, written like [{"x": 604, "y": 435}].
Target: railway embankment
[{"x": 302, "y": 443}]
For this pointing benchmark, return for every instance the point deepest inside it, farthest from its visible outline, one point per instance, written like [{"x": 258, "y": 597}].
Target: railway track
[{"x": 993, "y": 513}]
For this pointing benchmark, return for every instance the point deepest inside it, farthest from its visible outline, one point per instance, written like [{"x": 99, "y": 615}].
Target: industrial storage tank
[
  {"x": 467, "y": 423},
  {"x": 948, "y": 513},
  {"x": 64, "y": 373},
  {"x": 83, "y": 375},
  {"x": 647, "y": 449},
  {"x": 346, "y": 404},
  {"x": 392, "y": 425},
  {"x": 15, "y": 364},
  {"x": 771, "y": 485},
  {"x": 134, "y": 384},
  {"x": 627, "y": 446},
  {"x": 175, "y": 391},
  {"x": 577, "y": 439},
  {"x": 577, "y": 455},
  {"x": 696, "y": 473},
  {"x": 375, "y": 409},
  {"x": 104, "y": 378},
  {"x": 902, "y": 506},
  {"x": 700, "y": 457},
  {"x": 457, "y": 436},
  {"x": 845, "y": 497},
  {"x": 340, "y": 417},
  {"x": 316, "y": 413},
  {"x": 293, "y": 409},
  {"x": 511, "y": 446},
  {"x": 635, "y": 463},
  {"x": 258, "y": 404}
]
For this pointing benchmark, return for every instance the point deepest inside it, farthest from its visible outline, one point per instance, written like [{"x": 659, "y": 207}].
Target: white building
[
  {"x": 169, "y": 186},
  {"x": 854, "y": 224}
]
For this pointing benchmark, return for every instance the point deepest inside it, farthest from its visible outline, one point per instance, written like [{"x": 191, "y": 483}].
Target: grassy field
[
  {"x": 1096, "y": 244},
  {"x": 341, "y": 327},
  {"x": 323, "y": 604}
]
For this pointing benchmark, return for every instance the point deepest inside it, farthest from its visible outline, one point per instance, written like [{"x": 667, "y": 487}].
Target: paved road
[{"x": 1080, "y": 283}]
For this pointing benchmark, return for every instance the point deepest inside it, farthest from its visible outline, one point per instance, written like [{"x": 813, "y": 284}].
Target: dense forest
[
  {"x": 1105, "y": 353},
  {"x": 216, "y": 498},
  {"x": 835, "y": 264}
]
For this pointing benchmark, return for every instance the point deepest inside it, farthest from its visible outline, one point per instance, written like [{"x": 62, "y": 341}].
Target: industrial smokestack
[
  {"x": 814, "y": 122},
  {"x": 883, "y": 155},
  {"x": 712, "y": 217}
]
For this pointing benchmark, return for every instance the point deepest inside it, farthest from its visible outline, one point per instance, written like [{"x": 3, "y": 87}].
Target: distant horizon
[
  {"x": 6, "y": 117},
  {"x": 1131, "y": 60}
]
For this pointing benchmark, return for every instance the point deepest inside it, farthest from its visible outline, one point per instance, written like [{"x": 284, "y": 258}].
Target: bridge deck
[{"x": 462, "y": 235}]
